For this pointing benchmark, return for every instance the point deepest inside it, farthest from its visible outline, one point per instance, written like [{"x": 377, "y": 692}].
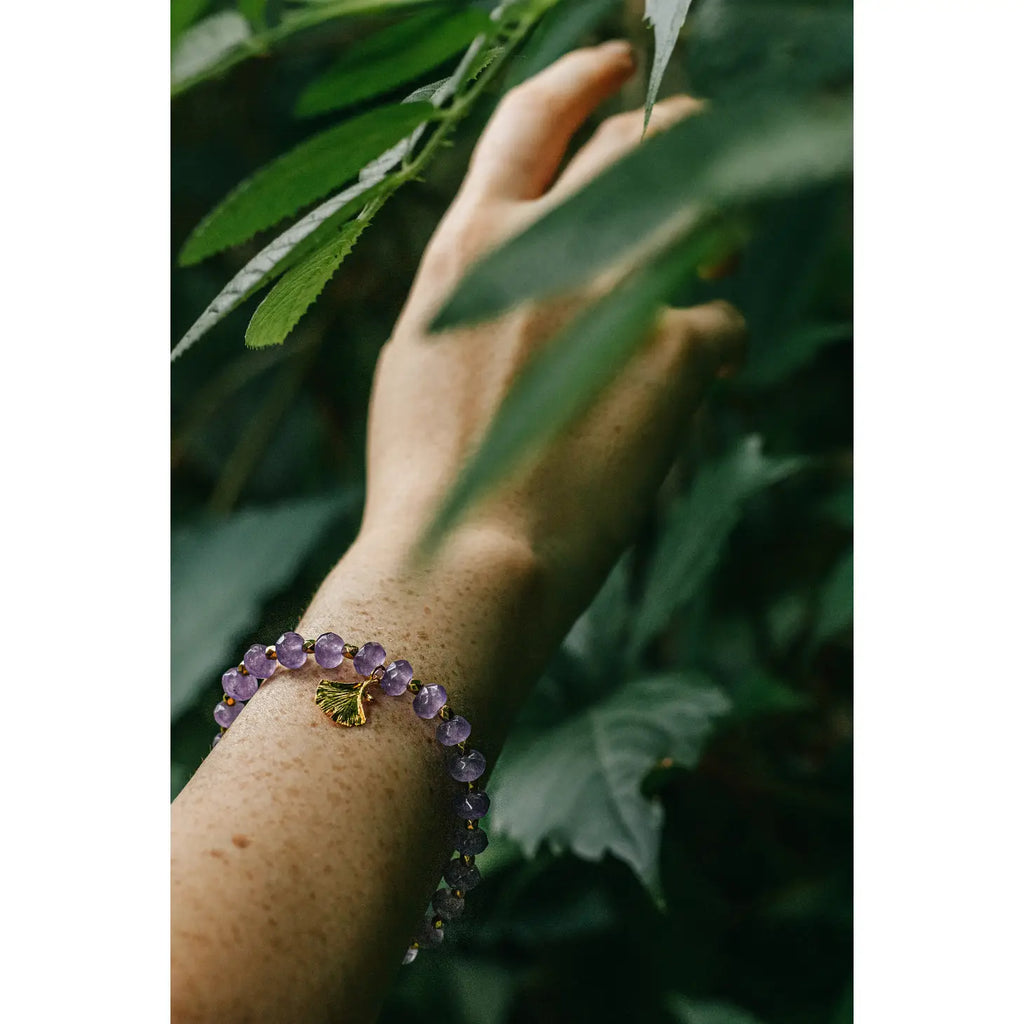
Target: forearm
[{"x": 304, "y": 853}]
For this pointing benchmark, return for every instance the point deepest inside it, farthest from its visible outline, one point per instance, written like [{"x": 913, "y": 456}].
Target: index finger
[{"x": 524, "y": 142}]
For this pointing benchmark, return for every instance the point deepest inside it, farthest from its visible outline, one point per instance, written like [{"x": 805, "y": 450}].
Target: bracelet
[{"x": 344, "y": 703}]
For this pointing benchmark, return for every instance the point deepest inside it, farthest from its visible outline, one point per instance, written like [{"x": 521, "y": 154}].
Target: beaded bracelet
[{"x": 344, "y": 703}]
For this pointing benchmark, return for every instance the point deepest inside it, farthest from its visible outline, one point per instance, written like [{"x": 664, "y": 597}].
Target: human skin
[{"x": 304, "y": 853}]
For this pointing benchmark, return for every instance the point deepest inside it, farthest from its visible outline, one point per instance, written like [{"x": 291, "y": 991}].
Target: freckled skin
[{"x": 304, "y": 852}]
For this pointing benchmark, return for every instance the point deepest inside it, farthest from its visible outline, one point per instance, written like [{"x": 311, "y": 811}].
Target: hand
[{"x": 578, "y": 503}]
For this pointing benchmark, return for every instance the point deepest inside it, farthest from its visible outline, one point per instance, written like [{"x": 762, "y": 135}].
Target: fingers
[
  {"x": 524, "y": 143},
  {"x": 615, "y": 137},
  {"x": 702, "y": 341}
]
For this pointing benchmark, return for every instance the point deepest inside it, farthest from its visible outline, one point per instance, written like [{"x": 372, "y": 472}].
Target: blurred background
[{"x": 708, "y": 879}]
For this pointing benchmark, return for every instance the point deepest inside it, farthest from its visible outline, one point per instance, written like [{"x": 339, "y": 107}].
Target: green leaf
[
  {"x": 293, "y": 245},
  {"x": 690, "y": 1011},
  {"x": 578, "y": 786},
  {"x": 697, "y": 528},
  {"x": 254, "y": 11},
  {"x": 399, "y": 54},
  {"x": 726, "y": 156},
  {"x": 563, "y": 378},
  {"x": 794, "y": 351},
  {"x": 288, "y": 300},
  {"x": 666, "y": 18},
  {"x": 302, "y": 176},
  {"x": 208, "y": 44},
  {"x": 184, "y": 13},
  {"x": 835, "y": 607},
  {"x": 560, "y": 32},
  {"x": 219, "y": 581}
]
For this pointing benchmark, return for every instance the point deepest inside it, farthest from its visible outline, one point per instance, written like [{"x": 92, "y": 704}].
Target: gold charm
[{"x": 342, "y": 701}]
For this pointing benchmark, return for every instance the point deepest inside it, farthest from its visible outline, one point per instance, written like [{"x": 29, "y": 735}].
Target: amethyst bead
[
  {"x": 289, "y": 650},
  {"x": 257, "y": 662},
  {"x": 225, "y": 714},
  {"x": 396, "y": 678},
  {"x": 447, "y": 905},
  {"x": 455, "y": 730},
  {"x": 429, "y": 935},
  {"x": 470, "y": 806},
  {"x": 367, "y": 658},
  {"x": 468, "y": 766},
  {"x": 329, "y": 650},
  {"x": 461, "y": 876},
  {"x": 430, "y": 700},
  {"x": 470, "y": 842},
  {"x": 238, "y": 686}
]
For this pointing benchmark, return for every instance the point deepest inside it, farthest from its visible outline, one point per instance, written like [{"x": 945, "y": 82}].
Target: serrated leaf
[
  {"x": 835, "y": 607},
  {"x": 277, "y": 256},
  {"x": 578, "y": 786},
  {"x": 206, "y": 44},
  {"x": 697, "y": 528},
  {"x": 563, "y": 378},
  {"x": 666, "y": 18},
  {"x": 398, "y": 54},
  {"x": 219, "y": 582},
  {"x": 724, "y": 157},
  {"x": 301, "y": 176},
  {"x": 288, "y": 300}
]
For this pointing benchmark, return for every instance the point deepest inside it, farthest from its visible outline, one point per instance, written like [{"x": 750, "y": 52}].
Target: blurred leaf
[
  {"x": 728, "y": 155},
  {"x": 390, "y": 58},
  {"x": 288, "y": 300},
  {"x": 666, "y": 18},
  {"x": 839, "y": 506},
  {"x": 184, "y": 13},
  {"x": 577, "y": 786},
  {"x": 563, "y": 378},
  {"x": 835, "y": 607},
  {"x": 758, "y": 693},
  {"x": 697, "y": 528},
  {"x": 301, "y": 176},
  {"x": 560, "y": 32},
  {"x": 220, "y": 575},
  {"x": 204, "y": 47},
  {"x": 293, "y": 245},
  {"x": 792, "y": 352},
  {"x": 690, "y": 1011},
  {"x": 745, "y": 47}
]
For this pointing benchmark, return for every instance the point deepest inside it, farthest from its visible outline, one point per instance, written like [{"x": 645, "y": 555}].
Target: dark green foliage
[{"x": 675, "y": 800}]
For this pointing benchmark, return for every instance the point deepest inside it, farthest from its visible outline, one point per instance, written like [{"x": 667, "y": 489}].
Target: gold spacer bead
[
  {"x": 459, "y": 894},
  {"x": 470, "y": 787},
  {"x": 222, "y": 730},
  {"x": 350, "y": 651},
  {"x": 470, "y": 824},
  {"x": 445, "y": 713},
  {"x": 461, "y": 747},
  {"x": 271, "y": 652},
  {"x": 415, "y": 686},
  {"x": 242, "y": 670},
  {"x": 230, "y": 701},
  {"x": 468, "y": 859},
  {"x": 438, "y": 922},
  {"x": 308, "y": 646},
  {"x": 414, "y": 945}
]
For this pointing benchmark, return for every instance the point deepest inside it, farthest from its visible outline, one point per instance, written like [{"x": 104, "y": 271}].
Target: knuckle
[{"x": 621, "y": 128}]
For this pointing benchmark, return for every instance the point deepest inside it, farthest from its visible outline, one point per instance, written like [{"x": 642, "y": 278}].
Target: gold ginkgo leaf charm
[{"x": 342, "y": 701}]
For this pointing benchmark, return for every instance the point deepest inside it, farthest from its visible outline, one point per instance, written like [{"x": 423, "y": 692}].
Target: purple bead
[
  {"x": 329, "y": 650},
  {"x": 447, "y": 905},
  {"x": 429, "y": 700},
  {"x": 257, "y": 662},
  {"x": 470, "y": 806},
  {"x": 455, "y": 730},
  {"x": 461, "y": 876},
  {"x": 225, "y": 714},
  {"x": 467, "y": 767},
  {"x": 429, "y": 935},
  {"x": 367, "y": 658},
  {"x": 289, "y": 650},
  {"x": 238, "y": 686},
  {"x": 396, "y": 678},
  {"x": 470, "y": 841},
  {"x": 410, "y": 955}
]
